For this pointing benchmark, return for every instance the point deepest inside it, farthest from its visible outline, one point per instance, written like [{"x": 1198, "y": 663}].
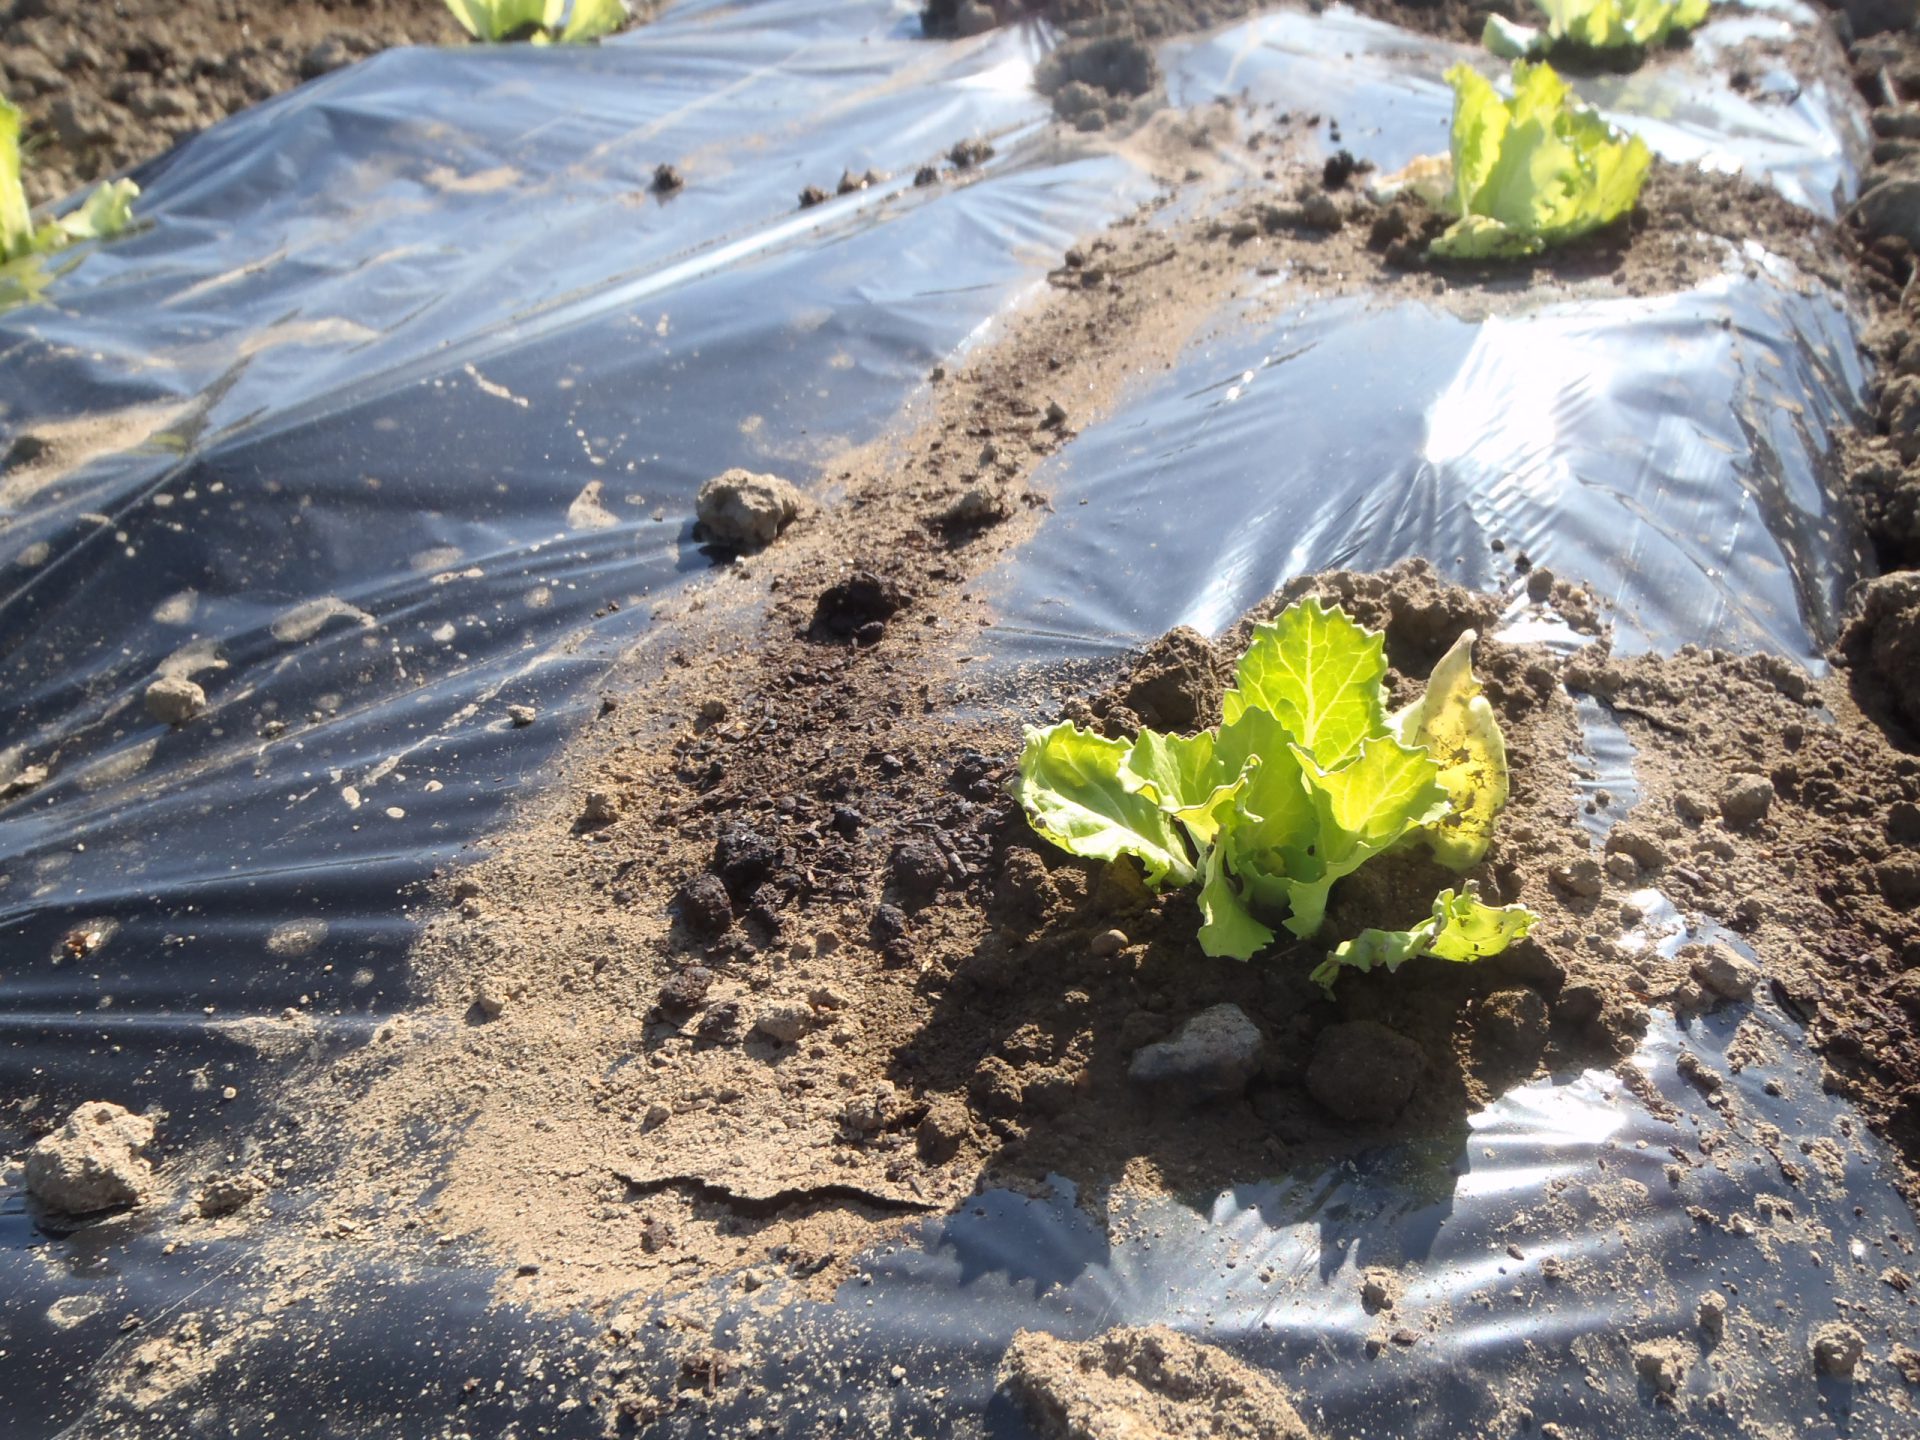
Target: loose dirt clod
[
  {"x": 1131, "y": 1384},
  {"x": 745, "y": 510},
  {"x": 92, "y": 1162},
  {"x": 175, "y": 700},
  {"x": 1837, "y": 1349}
]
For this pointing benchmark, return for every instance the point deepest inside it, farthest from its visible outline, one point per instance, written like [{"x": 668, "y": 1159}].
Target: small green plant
[
  {"x": 1534, "y": 171},
  {"x": 107, "y": 212},
  {"x": 1306, "y": 778},
  {"x": 541, "y": 22},
  {"x": 1597, "y": 27}
]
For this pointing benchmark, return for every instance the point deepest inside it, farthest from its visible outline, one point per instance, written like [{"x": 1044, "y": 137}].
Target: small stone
[
  {"x": 1723, "y": 970},
  {"x": 1056, "y": 414},
  {"x": 1691, "y": 806},
  {"x": 941, "y": 1131},
  {"x": 977, "y": 505},
  {"x": 783, "y": 1021},
  {"x": 1837, "y": 1349},
  {"x": 667, "y": 179},
  {"x": 712, "y": 711},
  {"x": 490, "y": 995},
  {"x": 1379, "y": 1289},
  {"x": 745, "y": 510},
  {"x": 225, "y": 1194},
  {"x": 657, "y": 1114},
  {"x": 1214, "y": 1054},
  {"x": 811, "y": 196},
  {"x": 863, "y": 1114},
  {"x": 174, "y": 700},
  {"x": 1745, "y": 801},
  {"x": 1711, "y": 1315},
  {"x": 522, "y": 716},
  {"x": 1107, "y": 944},
  {"x": 1578, "y": 877},
  {"x": 93, "y": 1161}
]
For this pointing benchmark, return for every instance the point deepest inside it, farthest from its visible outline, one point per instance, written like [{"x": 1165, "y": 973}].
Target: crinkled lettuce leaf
[
  {"x": 1228, "y": 927},
  {"x": 1534, "y": 171},
  {"x": 1598, "y": 25},
  {"x": 1462, "y": 928},
  {"x": 1319, "y": 674},
  {"x": 23, "y": 245},
  {"x": 1070, "y": 786},
  {"x": 1453, "y": 722},
  {"x": 540, "y": 21}
]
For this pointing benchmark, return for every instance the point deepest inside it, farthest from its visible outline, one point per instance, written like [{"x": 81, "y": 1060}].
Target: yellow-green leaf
[
  {"x": 1228, "y": 927},
  {"x": 1319, "y": 674},
  {"x": 1070, "y": 786},
  {"x": 1453, "y": 720}
]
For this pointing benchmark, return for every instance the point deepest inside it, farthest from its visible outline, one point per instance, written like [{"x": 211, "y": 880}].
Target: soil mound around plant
[{"x": 1134, "y": 1383}]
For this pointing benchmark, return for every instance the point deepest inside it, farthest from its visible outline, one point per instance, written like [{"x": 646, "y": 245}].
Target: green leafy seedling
[
  {"x": 1306, "y": 778},
  {"x": 23, "y": 245},
  {"x": 1595, "y": 27},
  {"x": 540, "y": 22},
  {"x": 1535, "y": 171}
]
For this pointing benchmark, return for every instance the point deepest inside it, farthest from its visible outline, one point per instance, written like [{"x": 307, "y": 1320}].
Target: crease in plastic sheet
[
  {"x": 1383, "y": 88},
  {"x": 408, "y": 340},
  {"x": 1675, "y": 452}
]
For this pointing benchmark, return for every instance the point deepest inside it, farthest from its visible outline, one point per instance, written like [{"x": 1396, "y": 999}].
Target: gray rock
[
  {"x": 174, "y": 700},
  {"x": 93, "y": 1162},
  {"x": 1214, "y": 1054},
  {"x": 746, "y": 510},
  {"x": 1745, "y": 801},
  {"x": 974, "y": 18}
]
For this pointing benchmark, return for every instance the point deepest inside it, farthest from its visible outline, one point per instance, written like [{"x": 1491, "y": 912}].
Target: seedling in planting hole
[
  {"x": 1597, "y": 27},
  {"x": 540, "y": 22},
  {"x": 1306, "y": 778},
  {"x": 107, "y": 212},
  {"x": 1523, "y": 174}
]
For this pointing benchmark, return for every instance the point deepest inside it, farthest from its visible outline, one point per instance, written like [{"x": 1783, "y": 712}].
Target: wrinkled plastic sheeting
[
  {"x": 1805, "y": 136},
  {"x": 1673, "y": 451},
  {"x": 408, "y": 363},
  {"x": 396, "y": 411},
  {"x": 1570, "y": 1176}
]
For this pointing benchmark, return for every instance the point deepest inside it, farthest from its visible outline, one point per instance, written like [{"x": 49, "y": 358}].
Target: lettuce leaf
[
  {"x": 540, "y": 21},
  {"x": 1453, "y": 723},
  {"x": 1069, "y": 783},
  {"x": 1594, "y": 25},
  {"x": 1534, "y": 171},
  {"x": 23, "y": 245},
  {"x": 1319, "y": 674},
  {"x": 1461, "y": 928}
]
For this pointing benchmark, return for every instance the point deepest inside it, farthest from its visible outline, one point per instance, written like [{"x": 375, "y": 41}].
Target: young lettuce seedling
[
  {"x": 1305, "y": 779},
  {"x": 1597, "y": 27},
  {"x": 1535, "y": 171},
  {"x": 541, "y": 22},
  {"x": 107, "y": 212}
]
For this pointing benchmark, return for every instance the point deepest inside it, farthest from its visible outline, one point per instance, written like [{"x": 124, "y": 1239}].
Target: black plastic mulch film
[{"x": 408, "y": 374}]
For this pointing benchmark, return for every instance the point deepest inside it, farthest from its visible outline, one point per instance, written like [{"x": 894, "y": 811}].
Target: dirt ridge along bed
[{"x": 631, "y": 1101}]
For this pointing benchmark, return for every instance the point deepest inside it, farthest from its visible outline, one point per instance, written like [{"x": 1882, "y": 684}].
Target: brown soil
[
  {"x": 107, "y": 86},
  {"x": 1146, "y": 1382}
]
